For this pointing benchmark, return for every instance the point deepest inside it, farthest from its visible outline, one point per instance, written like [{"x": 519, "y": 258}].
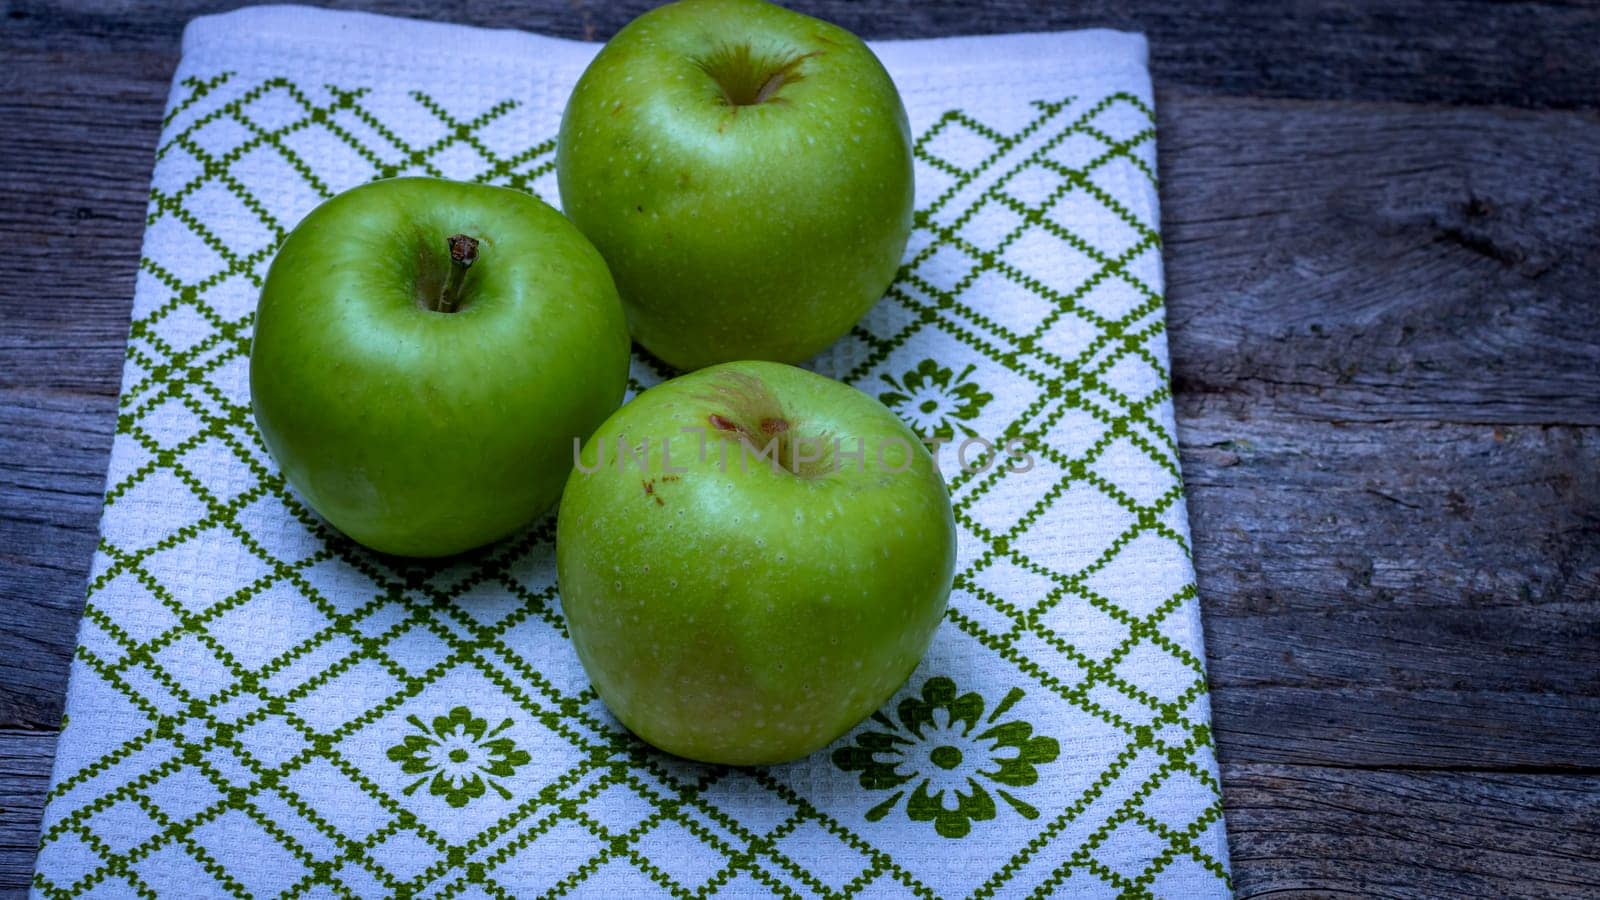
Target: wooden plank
[
  {"x": 1320, "y": 831},
  {"x": 78, "y": 136},
  {"x": 78, "y": 142},
  {"x": 1381, "y": 587},
  {"x": 54, "y": 446},
  {"x": 1537, "y": 54},
  {"x": 1402, "y": 595},
  {"x": 1467, "y": 562},
  {"x": 1374, "y": 263},
  {"x": 25, "y": 759}
]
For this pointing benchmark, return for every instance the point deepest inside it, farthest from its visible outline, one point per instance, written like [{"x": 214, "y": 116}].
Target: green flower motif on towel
[
  {"x": 934, "y": 745},
  {"x": 460, "y": 754},
  {"x": 935, "y": 400}
]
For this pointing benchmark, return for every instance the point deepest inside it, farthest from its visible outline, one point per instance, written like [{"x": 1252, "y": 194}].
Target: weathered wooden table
[{"x": 1382, "y": 226}]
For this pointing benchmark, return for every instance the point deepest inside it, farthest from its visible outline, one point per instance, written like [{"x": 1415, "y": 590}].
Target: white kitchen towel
[{"x": 259, "y": 708}]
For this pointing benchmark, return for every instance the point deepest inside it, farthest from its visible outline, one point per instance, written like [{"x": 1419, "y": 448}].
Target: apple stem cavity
[
  {"x": 463, "y": 253},
  {"x": 747, "y": 78}
]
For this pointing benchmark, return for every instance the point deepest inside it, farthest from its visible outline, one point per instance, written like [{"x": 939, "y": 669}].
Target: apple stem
[{"x": 463, "y": 253}]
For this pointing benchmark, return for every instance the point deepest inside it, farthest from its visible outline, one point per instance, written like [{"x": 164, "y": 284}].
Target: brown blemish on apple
[
  {"x": 749, "y": 414},
  {"x": 650, "y": 491}
]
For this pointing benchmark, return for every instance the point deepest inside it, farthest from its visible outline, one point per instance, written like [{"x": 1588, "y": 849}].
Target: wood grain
[
  {"x": 25, "y": 758},
  {"x": 1530, "y": 54},
  {"x": 1384, "y": 263},
  {"x": 1324, "y": 831},
  {"x": 1385, "y": 335},
  {"x": 1387, "y": 365},
  {"x": 1430, "y": 611}
]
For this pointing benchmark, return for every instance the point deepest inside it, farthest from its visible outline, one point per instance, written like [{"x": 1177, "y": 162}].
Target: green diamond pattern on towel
[{"x": 260, "y": 708}]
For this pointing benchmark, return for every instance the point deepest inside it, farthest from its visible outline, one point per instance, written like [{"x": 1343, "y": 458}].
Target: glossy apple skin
[
  {"x": 422, "y": 433},
  {"x": 740, "y": 615},
  {"x": 761, "y": 231}
]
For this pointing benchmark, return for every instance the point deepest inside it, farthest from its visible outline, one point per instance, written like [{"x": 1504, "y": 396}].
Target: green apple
[
  {"x": 424, "y": 352},
  {"x": 752, "y": 558},
  {"x": 746, "y": 172}
]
